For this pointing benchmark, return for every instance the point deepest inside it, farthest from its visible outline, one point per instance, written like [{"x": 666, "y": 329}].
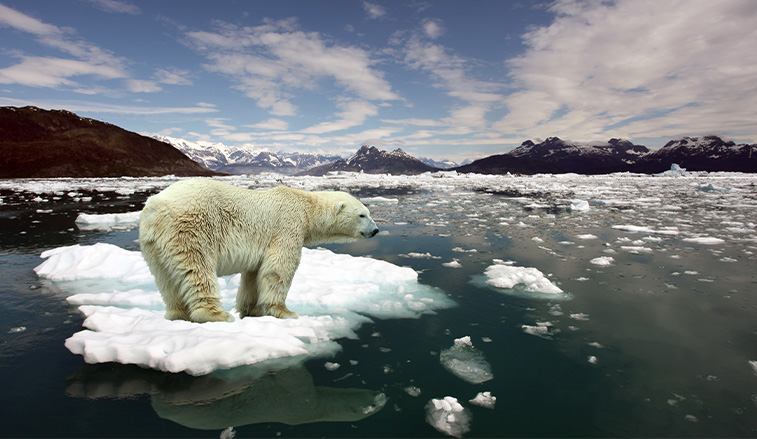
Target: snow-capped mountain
[
  {"x": 246, "y": 159},
  {"x": 441, "y": 164},
  {"x": 707, "y": 153},
  {"x": 372, "y": 160},
  {"x": 615, "y": 155}
]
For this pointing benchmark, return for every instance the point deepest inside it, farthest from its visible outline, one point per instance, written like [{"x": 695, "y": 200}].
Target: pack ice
[{"x": 333, "y": 293}]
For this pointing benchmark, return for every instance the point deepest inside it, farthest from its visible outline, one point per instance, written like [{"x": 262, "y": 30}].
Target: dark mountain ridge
[{"x": 57, "y": 143}]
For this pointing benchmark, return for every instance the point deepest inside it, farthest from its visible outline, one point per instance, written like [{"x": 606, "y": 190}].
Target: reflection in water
[{"x": 243, "y": 396}]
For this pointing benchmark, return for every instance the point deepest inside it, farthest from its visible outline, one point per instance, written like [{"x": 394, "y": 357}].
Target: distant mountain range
[
  {"x": 247, "y": 159},
  {"x": 41, "y": 143},
  {"x": 372, "y": 160},
  {"x": 58, "y": 143}
]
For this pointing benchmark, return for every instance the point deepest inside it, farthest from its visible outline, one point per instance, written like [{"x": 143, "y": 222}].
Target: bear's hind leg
[
  {"x": 201, "y": 295},
  {"x": 273, "y": 289}
]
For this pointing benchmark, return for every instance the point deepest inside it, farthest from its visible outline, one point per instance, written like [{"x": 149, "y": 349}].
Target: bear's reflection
[{"x": 243, "y": 396}]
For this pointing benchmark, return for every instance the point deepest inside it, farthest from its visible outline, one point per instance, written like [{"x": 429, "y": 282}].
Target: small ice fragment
[
  {"x": 537, "y": 239},
  {"x": 580, "y": 316},
  {"x": 587, "y": 236},
  {"x": 416, "y": 255},
  {"x": 465, "y": 362},
  {"x": 579, "y": 206},
  {"x": 704, "y": 240},
  {"x": 17, "y": 329},
  {"x": 486, "y": 339},
  {"x": 603, "y": 261},
  {"x": 541, "y": 329},
  {"x": 412, "y": 391},
  {"x": 691, "y": 418},
  {"x": 592, "y": 359},
  {"x": 484, "y": 399},
  {"x": 331, "y": 366},
  {"x": 454, "y": 264},
  {"x": 229, "y": 433},
  {"x": 753, "y": 365},
  {"x": 448, "y": 416},
  {"x": 595, "y": 344}
]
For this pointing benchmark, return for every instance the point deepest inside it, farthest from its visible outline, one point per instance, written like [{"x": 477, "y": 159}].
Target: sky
[{"x": 438, "y": 78}]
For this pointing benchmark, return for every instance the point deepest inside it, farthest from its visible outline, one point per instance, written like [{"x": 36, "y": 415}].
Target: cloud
[
  {"x": 354, "y": 113},
  {"x": 433, "y": 28},
  {"x": 374, "y": 10},
  {"x": 115, "y": 6},
  {"x": 172, "y": 76},
  {"x": 453, "y": 74},
  {"x": 276, "y": 61},
  {"x": 142, "y": 86},
  {"x": 95, "y": 107},
  {"x": 272, "y": 124},
  {"x": 664, "y": 68},
  {"x": 54, "y": 72}
]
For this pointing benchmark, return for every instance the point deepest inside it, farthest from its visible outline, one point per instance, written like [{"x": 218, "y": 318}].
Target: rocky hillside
[
  {"x": 707, "y": 153},
  {"x": 614, "y": 156},
  {"x": 57, "y": 143}
]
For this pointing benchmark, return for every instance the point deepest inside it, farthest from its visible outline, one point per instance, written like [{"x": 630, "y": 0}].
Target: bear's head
[{"x": 351, "y": 219}]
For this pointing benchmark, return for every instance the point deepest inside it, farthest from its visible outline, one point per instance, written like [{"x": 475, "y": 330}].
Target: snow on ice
[{"x": 334, "y": 293}]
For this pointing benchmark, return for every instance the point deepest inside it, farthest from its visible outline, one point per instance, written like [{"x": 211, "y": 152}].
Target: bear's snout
[{"x": 374, "y": 232}]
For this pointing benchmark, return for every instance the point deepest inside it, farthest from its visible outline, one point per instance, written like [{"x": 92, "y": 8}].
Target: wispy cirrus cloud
[
  {"x": 273, "y": 62},
  {"x": 116, "y": 6}
]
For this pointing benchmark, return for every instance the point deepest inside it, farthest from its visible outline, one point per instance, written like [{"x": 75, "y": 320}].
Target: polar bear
[{"x": 198, "y": 229}]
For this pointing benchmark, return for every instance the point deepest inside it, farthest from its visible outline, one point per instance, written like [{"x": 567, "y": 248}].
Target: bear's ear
[{"x": 340, "y": 206}]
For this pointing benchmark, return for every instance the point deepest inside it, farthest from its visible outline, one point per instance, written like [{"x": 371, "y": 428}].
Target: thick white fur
[{"x": 198, "y": 229}]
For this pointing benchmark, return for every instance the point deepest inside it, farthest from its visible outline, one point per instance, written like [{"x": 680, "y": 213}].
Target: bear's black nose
[{"x": 374, "y": 232}]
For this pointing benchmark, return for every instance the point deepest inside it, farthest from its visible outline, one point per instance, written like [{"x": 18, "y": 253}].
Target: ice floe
[
  {"x": 603, "y": 261},
  {"x": 107, "y": 221},
  {"x": 466, "y": 362},
  {"x": 484, "y": 399},
  {"x": 334, "y": 294},
  {"x": 448, "y": 416},
  {"x": 526, "y": 281}
]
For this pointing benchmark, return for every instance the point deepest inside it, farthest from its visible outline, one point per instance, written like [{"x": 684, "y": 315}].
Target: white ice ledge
[{"x": 333, "y": 293}]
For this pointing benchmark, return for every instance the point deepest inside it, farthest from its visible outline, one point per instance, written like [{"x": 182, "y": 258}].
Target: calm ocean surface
[{"x": 658, "y": 336}]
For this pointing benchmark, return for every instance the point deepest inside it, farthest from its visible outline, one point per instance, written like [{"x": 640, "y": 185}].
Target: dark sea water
[{"x": 656, "y": 344}]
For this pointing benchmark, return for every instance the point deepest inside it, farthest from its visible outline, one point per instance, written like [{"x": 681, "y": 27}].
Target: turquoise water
[{"x": 658, "y": 343}]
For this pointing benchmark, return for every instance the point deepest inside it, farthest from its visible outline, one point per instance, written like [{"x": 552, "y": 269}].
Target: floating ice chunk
[
  {"x": 603, "y": 261},
  {"x": 98, "y": 261},
  {"x": 413, "y": 391},
  {"x": 17, "y": 329},
  {"x": 229, "y": 433},
  {"x": 580, "y": 316},
  {"x": 333, "y": 293},
  {"x": 108, "y": 218},
  {"x": 704, "y": 240},
  {"x": 541, "y": 329},
  {"x": 378, "y": 200},
  {"x": 331, "y": 366},
  {"x": 466, "y": 362},
  {"x": 578, "y": 206},
  {"x": 416, "y": 255},
  {"x": 527, "y": 279},
  {"x": 636, "y": 249},
  {"x": 587, "y": 236},
  {"x": 753, "y": 365},
  {"x": 448, "y": 416},
  {"x": 453, "y": 264},
  {"x": 484, "y": 399},
  {"x": 462, "y": 250},
  {"x": 643, "y": 229},
  {"x": 592, "y": 359}
]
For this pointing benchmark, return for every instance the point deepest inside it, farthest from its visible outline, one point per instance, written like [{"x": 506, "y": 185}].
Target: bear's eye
[{"x": 362, "y": 215}]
